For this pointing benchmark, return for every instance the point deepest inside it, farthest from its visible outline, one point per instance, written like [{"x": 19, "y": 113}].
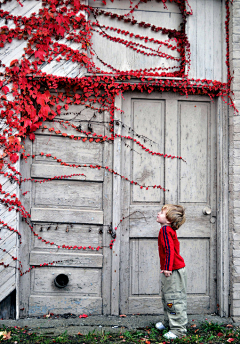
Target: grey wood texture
[
  {"x": 117, "y": 213},
  {"x": 48, "y": 171},
  {"x": 153, "y": 13},
  {"x": 82, "y": 282},
  {"x": 60, "y": 304},
  {"x": 223, "y": 256},
  {"x": 70, "y": 211},
  {"x": 25, "y": 247},
  {"x": 8, "y": 275},
  {"x": 208, "y": 54},
  {"x": 205, "y": 31},
  {"x": 68, "y": 259},
  {"x": 190, "y": 132},
  {"x": 106, "y": 277},
  {"x": 9, "y": 242},
  {"x": 65, "y": 215},
  {"x": 89, "y": 236}
]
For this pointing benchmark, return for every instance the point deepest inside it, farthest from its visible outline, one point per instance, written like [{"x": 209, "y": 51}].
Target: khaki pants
[{"x": 174, "y": 298}]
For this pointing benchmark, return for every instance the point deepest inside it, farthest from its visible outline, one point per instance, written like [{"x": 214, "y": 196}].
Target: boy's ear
[{"x": 168, "y": 222}]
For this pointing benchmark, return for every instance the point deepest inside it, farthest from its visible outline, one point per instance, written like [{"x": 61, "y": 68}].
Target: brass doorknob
[{"x": 207, "y": 211}]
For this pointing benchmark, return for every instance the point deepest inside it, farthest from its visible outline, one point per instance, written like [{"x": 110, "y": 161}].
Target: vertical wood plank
[
  {"x": 107, "y": 219},
  {"x": 208, "y": 39},
  {"x": 17, "y": 265},
  {"x": 224, "y": 45},
  {"x": 218, "y": 41},
  {"x": 127, "y": 156},
  {"x": 194, "y": 178},
  {"x": 24, "y": 249},
  {"x": 206, "y": 33},
  {"x": 171, "y": 147},
  {"x": 116, "y": 212},
  {"x": 213, "y": 127},
  {"x": 149, "y": 271},
  {"x": 134, "y": 246},
  {"x": 222, "y": 214},
  {"x": 191, "y": 30},
  {"x": 201, "y": 22}
]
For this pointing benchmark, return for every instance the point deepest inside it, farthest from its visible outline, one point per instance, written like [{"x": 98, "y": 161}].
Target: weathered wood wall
[
  {"x": 49, "y": 204},
  {"x": 205, "y": 31},
  {"x": 206, "y": 34}
]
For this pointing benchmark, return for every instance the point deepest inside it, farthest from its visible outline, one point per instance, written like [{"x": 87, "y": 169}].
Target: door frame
[
  {"x": 222, "y": 245},
  {"x": 223, "y": 282}
]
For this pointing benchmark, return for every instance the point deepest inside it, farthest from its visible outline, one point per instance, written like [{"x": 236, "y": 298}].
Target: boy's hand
[{"x": 166, "y": 273}]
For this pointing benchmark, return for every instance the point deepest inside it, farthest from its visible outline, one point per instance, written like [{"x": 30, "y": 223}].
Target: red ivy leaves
[{"x": 35, "y": 96}]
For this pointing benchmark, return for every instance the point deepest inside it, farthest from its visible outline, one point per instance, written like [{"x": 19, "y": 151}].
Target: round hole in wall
[{"x": 61, "y": 281}]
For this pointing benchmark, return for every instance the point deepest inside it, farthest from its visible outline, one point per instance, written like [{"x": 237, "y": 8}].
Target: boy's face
[{"x": 161, "y": 217}]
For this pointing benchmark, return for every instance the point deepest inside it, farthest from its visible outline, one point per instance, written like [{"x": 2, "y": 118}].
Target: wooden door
[
  {"x": 169, "y": 124},
  {"x": 72, "y": 211}
]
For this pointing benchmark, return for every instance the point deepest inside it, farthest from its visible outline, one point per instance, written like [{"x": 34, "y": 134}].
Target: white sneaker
[
  {"x": 160, "y": 326},
  {"x": 169, "y": 335}
]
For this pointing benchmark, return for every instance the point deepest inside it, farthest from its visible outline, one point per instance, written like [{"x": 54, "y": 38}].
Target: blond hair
[{"x": 175, "y": 214}]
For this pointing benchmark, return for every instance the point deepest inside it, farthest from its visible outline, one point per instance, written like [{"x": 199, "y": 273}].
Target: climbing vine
[{"x": 30, "y": 97}]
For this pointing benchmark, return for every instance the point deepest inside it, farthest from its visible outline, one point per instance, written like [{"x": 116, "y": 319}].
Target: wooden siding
[
  {"x": 207, "y": 62},
  {"x": 9, "y": 242},
  {"x": 205, "y": 31},
  {"x": 75, "y": 211},
  {"x": 151, "y": 12},
  {"x": 206, "y": 34}
]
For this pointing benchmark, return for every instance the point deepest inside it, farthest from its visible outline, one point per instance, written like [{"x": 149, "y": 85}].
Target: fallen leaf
[
  {"x": 194, "y": 325},
  {"x": 6, "y": 335},
  {"x": 80, "y": 334},
  {"x": 220, "y": 334}
]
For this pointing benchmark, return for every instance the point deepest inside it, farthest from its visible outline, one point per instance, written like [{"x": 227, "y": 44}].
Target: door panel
[
  {"x": 68, "y": 211},
  {"x": 168, "y": 124},
  {"x": 148, "y": 174},
  {"x": 193, "y": 137}
]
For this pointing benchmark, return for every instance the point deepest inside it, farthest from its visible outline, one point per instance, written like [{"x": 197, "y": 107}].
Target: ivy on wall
[{"x": 29, "y": 97}]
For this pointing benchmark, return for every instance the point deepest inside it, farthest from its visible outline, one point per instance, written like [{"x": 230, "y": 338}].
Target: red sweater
[{"x": 169, "y": 247}]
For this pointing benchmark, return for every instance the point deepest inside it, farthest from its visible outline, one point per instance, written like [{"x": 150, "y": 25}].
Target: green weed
[{"x": 211, "y": 333}]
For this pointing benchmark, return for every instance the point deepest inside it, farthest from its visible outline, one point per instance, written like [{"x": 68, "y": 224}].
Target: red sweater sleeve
[{"x": 168, "y": 245}]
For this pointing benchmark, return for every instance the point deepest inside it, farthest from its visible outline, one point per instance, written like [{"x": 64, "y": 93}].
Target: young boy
[{"x": 174, "y": 278}]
